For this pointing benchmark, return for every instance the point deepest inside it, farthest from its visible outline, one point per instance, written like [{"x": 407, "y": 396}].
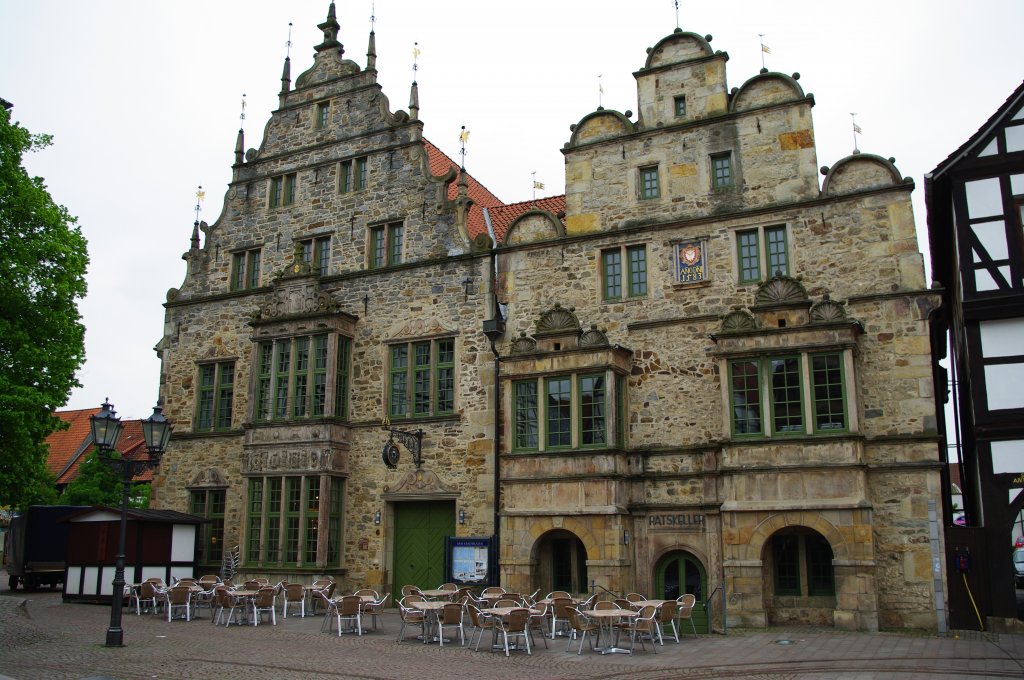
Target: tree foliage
[
  {"x": 98, "y": 484},
  {"x": 43, "y": 259}
]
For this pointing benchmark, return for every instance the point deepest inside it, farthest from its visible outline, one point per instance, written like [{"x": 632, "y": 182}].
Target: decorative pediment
[
  {"x": 295, "y": 298},
  {"x": 780, "y": 290},
  {"x": 524, "y": 344},
  {"x": 827, "y": 311},
  {"x": 420, "y": 483},
  {"x": 558, "y": 320},
  {"x": 420, "y": 328},
  {"x": 739, "y": 320},
  {"x": 210, "y": 478},
  {"x": 594, "y": 338}
]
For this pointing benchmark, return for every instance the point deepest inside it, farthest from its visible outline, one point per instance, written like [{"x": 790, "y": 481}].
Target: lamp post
[{"x": 106, "y": 428}]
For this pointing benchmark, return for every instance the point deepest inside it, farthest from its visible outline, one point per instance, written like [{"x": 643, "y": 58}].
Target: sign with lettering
[
  {"x": 691, "y": 262},
  {"x": 683, "y": 521}
]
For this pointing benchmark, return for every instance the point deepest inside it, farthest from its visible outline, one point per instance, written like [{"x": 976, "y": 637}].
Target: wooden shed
[{"x": 158, "y": 543}]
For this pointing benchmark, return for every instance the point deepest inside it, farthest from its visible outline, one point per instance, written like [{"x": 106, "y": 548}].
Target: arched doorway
[
  {"x": 678, "y": 573},
  {"x": 799, "y": 579},
  {"x": 561, "y": 563}
]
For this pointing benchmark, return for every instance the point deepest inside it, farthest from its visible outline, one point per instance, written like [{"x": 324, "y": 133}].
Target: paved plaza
[{"x": 42, "y": 638}]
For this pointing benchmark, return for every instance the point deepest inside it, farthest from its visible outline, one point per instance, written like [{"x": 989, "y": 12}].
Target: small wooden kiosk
[{"x": 158, "y": 543}]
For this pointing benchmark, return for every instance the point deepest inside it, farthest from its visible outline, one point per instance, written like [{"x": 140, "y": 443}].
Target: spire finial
[
  {"x": 463, "y": 138},
  {"x": 200, "y": 195},
  {"x": 288, "y": 44},
  {"x": 677, "y": 14},
  {"x": 330, "y": 27},
  {"x": 415, "y": 60},
  {"x": 241, "y": 116}
]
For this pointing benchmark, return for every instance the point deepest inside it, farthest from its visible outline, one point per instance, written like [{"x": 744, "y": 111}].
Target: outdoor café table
[
  {"x": 246, "y": 595},
  {"x": 548, "y": 600},
  {"x": 640, "y": 604},
  {"x": 438, "y": 592},
  {"x": 431, "y": 609},
  {"x": 607, "y": 619}
]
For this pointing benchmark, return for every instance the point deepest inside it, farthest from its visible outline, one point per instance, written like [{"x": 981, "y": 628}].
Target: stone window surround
[
  {"x": 434, "y": 369},
  {"x": 314, "y": 252},
  {"x": 762, "y": 251},
  {"x": 390, "y": 257},
  {"x": 218, "y": 393},
  {"x": 353, "y": 174},
  {"x": 646, "y": 190},
  {"x": 626, "y": 287},
  {"x": 282, "y": 190},
  {"x": 245, "y": 268},
  {"x": 716, "y": 183},
  {"x": 322, "y": 118},
  {"x": 679, "y": 106}
]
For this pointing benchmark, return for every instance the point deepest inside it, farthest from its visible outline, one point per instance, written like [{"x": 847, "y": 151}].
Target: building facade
[
  {"x": 975, "y": 200},
  {"x": 698, "y": 371}
]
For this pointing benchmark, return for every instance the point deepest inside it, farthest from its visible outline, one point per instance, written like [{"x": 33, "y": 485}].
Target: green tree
[
  {"x": 98, "y": 484},
  {"x": 43, "y": 258}
]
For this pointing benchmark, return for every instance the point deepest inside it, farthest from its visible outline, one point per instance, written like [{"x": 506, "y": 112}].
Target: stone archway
[{"x": 849, "y": 537}]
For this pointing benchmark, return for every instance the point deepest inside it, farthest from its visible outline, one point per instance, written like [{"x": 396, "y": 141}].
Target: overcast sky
[{"x": 143, "y": 101}]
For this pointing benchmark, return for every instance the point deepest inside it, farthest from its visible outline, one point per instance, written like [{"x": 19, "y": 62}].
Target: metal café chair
[
  {"x": 294, "y": 594},
  {"x": 684, "y": 612},
  {"x": 264, "y": 603}
]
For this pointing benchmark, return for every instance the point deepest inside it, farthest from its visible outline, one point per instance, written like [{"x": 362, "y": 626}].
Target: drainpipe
[{"x": 494, "y": 329}]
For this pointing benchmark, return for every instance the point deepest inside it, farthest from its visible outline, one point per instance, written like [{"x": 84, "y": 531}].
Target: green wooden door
[
  {"x": 420, "y": 529},
  {"x": 679, "y": 573}
]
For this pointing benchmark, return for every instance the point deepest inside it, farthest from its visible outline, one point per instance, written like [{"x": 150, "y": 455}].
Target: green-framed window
[
  {"x": 342, "y": 363},
  {"x": 282, "y": 190},
  {"x": 245, "y": 269},
  {"x": 761, "y": 253},
  {"x": 323, "y": 114},
  {"x": 648, "y": 182},
  {"x": 745, "y": 397},
  {"x": 558, "y": 412},
  {"x": 572, "y": 413},
  {"x": 292, "y": 378},
  {"x": 624, "y": 281},
  {"x": 386, "y": 244},
  {"x": 283, "y": 521},
  {"x": 593, "y": 411},
  {"x": 215, "y": 396},
  {"x": 352, "y": 175},
  {"x": 784, "y": 381},
  {"x": 525, "y": 415},
  {"x": 721, "y": 170},
  {"x": 209, "y": 503},
  {"x": 421, "y": 378},
  {"x": 787, "y": 395},
  {"x": 680, "y": 106},
  {"x": 317, "y": 252}
]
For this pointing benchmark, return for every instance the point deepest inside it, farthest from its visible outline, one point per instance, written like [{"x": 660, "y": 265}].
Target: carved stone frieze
[
  {"x": 420, "y": 483},
  {"x": 209, "y": 478},
  {"x": 420, "y": 328},
  {"x": 255, "y": 462}
]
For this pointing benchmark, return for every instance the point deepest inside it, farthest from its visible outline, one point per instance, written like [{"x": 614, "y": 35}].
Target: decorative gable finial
[{"x": 331, "y": 27}]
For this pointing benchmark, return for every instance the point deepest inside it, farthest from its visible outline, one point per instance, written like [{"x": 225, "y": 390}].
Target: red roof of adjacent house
[
  {"x": 69, "y": 447},
  {"x": 440, "y": 164}
]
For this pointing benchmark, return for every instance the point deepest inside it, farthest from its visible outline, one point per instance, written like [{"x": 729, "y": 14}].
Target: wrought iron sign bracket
[{"x": 411, "y": 440}]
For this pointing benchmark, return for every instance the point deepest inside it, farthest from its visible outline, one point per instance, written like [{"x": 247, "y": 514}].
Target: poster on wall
[
  {"x": 691, "y": 261},
  {"x": 468, "y": 560}
]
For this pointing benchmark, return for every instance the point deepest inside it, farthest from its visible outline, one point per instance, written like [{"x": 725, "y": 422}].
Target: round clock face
[{"x": 390, "y": 454}]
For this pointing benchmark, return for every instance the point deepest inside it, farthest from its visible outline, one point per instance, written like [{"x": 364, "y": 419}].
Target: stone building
[{"x": 699, "y": 370}]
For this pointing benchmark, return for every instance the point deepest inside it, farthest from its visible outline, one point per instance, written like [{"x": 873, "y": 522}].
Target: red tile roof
[
  {"x": 68, "y": 448},
  {"x": 481, "y": 195},
  {"x": 503, "y": 216}
]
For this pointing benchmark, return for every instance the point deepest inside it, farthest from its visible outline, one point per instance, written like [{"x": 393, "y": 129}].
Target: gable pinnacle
[{"x": 330, "y": 29}]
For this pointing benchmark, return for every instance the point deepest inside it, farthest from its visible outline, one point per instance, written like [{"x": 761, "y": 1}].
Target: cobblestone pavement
[{"x": 44, "y": 638}]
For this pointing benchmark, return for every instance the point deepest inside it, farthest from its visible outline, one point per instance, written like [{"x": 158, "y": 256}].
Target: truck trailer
[{"x": 36, "y": 546}]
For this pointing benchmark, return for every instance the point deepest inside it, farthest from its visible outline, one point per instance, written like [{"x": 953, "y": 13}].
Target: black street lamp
[{"x": 106, "y": 428}]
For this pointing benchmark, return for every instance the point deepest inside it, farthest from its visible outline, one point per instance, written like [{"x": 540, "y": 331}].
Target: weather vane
[
  {"x": 600, "y": 92},
  {"x": 373, "y": 15},
  {"x": 764, "y": 50},
  {"x": 288, "y": 45},
  {"x": 241, "y": 116},
  {"x": 415, "y": 57},
  {"x": 676, "y": 2},
  {"x": 856, "y": 131},
  {"x": 536, "y": 185},
  {"x": 463, "y": 138},
  {"x": 200, "y": 195}
]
